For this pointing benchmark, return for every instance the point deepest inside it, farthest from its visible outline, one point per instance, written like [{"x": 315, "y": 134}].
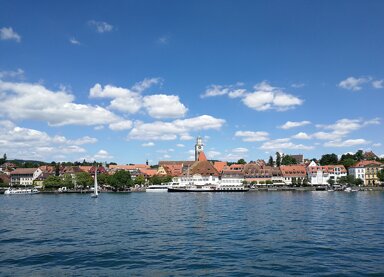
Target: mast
[{"x": 96, "y": 193}]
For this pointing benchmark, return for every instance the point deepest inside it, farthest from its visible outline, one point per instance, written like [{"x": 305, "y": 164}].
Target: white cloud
[
  {"x": 164, "y": 106},
  {"x": 9, "y": 34},
  {"x": 378, "y": 84},
  {"x": 34, "y": 101},
  {"x": 186, "y": 137},
  {"x": 19, "y": 73},
  {"x": 352, "y": 83},
  {"x": 160, "y": 130},
  {"x": 240, "y": 150},
  {"x": 263, "y": 97},
  {"x": 73, "y": 40},
  {"x": 293, "y": 124},
  {"x": 146, "y": 84},
  {"x": 213, "y": 154},
  {"x": 103, "y": 154},
  {"x": 376, "y": 144},
  {"x": 121, "y": 125},
  {"x": 19, "y": 142},
  {"x": 163, "y": 40},
  {"x": 100, "y": 26},
  {"x": 346, "y": 143},
  {"x": 149, "y": 144},
  {"x": 250, "y": 136},
  {"x": 284, "y": 143},
  {"x": 301, "y": 135},
  {"x": 180, "y": 145}
]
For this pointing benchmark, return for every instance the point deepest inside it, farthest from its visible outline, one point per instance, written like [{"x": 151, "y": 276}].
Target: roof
[
  {"x": 129, "y": 167},
  {"x": 293, "y": 170},
  {"x": 366, "y": 163},
  {"x": 85, "y": 168},
  {"x": 24, "y": 171},
  {"x": 220, "y": 166},
  {"x": 202, "y": 156},
  {"x": 236, "y": 167},
  {"x": 148, "y": 172},
  {"x": 204, "y": 168},
  {"x": 326, "y": 168},
  {"x": 370, "y": 155}
]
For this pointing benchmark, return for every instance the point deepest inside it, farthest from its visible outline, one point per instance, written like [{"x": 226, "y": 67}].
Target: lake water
[{"x": 193, "y": 234}]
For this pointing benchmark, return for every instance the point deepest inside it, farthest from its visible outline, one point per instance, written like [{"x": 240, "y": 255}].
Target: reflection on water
[{"x": 254, "y": 233}]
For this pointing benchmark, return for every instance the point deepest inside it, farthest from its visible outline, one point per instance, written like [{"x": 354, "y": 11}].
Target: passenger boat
[
  {"x": 21, "y": 191},
  {"x": 157, "y": 188},
  {"x": 208, "y": 188}
]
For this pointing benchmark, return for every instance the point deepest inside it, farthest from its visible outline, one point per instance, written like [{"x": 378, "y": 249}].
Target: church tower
[{"x": 199, "y": 147}]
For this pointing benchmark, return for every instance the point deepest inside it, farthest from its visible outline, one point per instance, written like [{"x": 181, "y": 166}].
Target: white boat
[
  {"x": 21, "y": 191},
  {"x": 208, "y": 188},
  {"x": 95, "y": 193},
  {"x": 349, "y": 189},
  {"x": 157, "y": 188}
]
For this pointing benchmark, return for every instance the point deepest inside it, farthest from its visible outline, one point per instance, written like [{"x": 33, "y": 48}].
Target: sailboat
[{"x": 95, "y": 194}]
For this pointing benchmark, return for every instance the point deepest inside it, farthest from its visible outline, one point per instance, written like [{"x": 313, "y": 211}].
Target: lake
[{"x": 193, "y": 234}]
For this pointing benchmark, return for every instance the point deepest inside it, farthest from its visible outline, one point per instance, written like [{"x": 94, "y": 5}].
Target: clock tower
[{"x": 199, "y": 147}]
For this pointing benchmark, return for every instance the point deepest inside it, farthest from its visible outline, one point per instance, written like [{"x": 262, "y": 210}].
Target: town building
[
  {"x": 293, "y": 174},
  {"x": 366, "y": 171},
  {"x": 319, "y": 175},
  {"x": 24, "y": 176}
]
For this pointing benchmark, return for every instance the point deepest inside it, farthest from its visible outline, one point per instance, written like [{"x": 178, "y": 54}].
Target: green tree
[
  {"x": 140, "y": 180},
  {"x": 278, "y": 159},
  {"x": 305, "y": 182},
  {"x": 269, "y": 182},
  {"x": 67, "y": 181},
  {"x": 4, "y": 159},
  {"x": 380, "y": 175},
  {"x": 102, "y": 179},
  {"x": 331, "y": 182},
  {"x": 241, "y": 161},
  {"x": 287, "y": 160},
  {"x": 270, "y": 161},
  {"x": 343, "y": 180},
  {"x": 351, "y": 180},
  {"x": 359, "y": 155},
  {"x": 83, "y": 179},
  {"x": 329, "y": 159},
  {"x": 359, "y": 182},
  {"x": 294, "y": 181},
  {"x": 52, "y": 182},
  {"x": 120, "y": 180}
]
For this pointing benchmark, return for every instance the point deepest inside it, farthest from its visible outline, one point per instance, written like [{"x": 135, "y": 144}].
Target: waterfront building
[
  {"x": 254, "y": 173},
  {"x": 24, "y": 176},
  {"x": 319, "y": 175},
  {"x": 366, "y": 171},
  {"x": 232, "y": 178},
  {"x": 220, "y": 166},
  {"x": 295, "y": 173}
]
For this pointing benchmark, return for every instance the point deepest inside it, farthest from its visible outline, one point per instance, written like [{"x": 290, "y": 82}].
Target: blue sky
[{"x": 127, "y": 81}]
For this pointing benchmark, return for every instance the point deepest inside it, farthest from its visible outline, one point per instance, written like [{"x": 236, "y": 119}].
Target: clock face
[{"x": 198, "y": 147}]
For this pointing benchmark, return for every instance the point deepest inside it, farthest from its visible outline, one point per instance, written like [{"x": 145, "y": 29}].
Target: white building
[
  {"x": 319, "y": 175},
  {"x": 24, "y": 176}
]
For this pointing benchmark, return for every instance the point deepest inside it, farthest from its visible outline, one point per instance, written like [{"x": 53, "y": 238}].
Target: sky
[{"x": 130, "y": 81}]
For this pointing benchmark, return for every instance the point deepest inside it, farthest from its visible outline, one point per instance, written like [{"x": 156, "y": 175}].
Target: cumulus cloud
[
  {"x": 352, "y": 83},
  {"x": 284, "y": 143},
  {"x": 164, "y": 106},
  {"x": 180, "y": 145},
  {"x": 263, "y": 96},
  {"x": 160, "y": 130},
  {"x": 251, "y": 136},
  {"x": 7, "y": 33},
  {"x": 100, "y": 26},
  {"x": 301, "y": 135},
  {"x": 26, "y": 143},
  {"x": 378, "y": 84},
  {"x": 346, "y": 143},
  {"x": 19, "y": 73},
  {"x": 121, "y": 125},
  {"x": 293, "y": 124},
  {"x": 149, "y": 144},
  {"x": 240, "y": 150},
  {"x": 34, "y": 101}
]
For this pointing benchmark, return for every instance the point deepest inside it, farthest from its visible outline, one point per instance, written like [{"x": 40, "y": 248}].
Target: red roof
[
  {"x": 220, "y": 166},
  {"x": 293, "y": 170},
  {"x": 365, "y": 163},
  {"x": 202, "y": 157}
]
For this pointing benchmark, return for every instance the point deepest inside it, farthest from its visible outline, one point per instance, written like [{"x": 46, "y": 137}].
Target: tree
[
  {"x": 329, "y": 159},
  {"x": 359, "y": 155},
  {"x": 67, "y": 181},
  {"x": 287, "y": 160},
  {"x": 52, "y": 182},
  {"x": 4, "y": 159},
  {"x": 359, "y": 182},
  {"x": 343, "y": 180},
  {"x": 270, "y": 161},
  {"x": 380, "y": 175},
  {"x": 241, "y": 161},
  {"x": 140, "y": 180},
  {"x": 331, "y": 182},
  {"x": 120, "y": 180},
  {"x": 305, "y": 182},
  {"x": 102, "y": 179},
  {"x": 351, "y": 180},
  {"x": 83, "y": 179},
  {"x": 294, "y": 181},
  {"x": 278, "y": 159}
]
